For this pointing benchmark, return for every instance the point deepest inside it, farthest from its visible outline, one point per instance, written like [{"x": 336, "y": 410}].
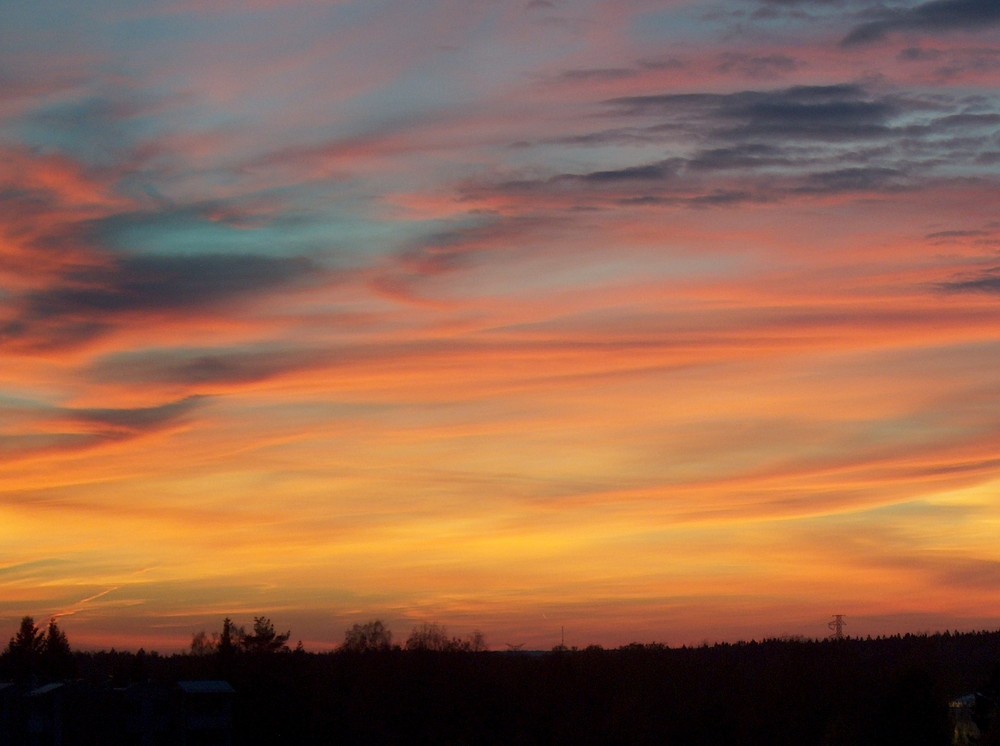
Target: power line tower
[{"x": 837, "y": 624}]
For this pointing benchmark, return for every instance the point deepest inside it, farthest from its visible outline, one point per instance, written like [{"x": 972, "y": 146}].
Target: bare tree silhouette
[
  {"x": 370, "y": 636},
  {"x": 203, "y": 644}
]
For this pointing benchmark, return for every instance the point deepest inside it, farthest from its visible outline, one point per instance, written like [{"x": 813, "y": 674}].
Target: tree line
[
  {"x": 367, "y": 637},
  {"x": 373, "y": 689},
  {"x": 44, "y": 652}
]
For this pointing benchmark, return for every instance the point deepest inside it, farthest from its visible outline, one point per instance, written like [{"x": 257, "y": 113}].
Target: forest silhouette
[{"x": 437, "y": 689}]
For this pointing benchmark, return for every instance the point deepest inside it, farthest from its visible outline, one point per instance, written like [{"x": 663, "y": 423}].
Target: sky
[{"x": 643, "y": 320}]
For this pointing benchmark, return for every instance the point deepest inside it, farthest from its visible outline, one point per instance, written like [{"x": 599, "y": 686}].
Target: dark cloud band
[
  {"x": 932, "y": 17},
  {"x": 85, "y": 302}
]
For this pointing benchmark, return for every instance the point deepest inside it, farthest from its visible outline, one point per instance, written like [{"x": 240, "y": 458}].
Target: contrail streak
[{"x": 79, "y": 604}]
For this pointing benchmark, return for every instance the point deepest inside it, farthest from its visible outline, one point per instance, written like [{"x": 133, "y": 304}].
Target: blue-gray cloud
[
  {"x": 833, "y": 112},
  {"x": 854, "y": 180},
  {"x": 950, "y": 63},
  {"x": 767, "y": 145},
  {"x": 84, "y": 302},
  {"x": 931, "y": 17},
  {"x": 152, "y": 283},
  {"x": 742, "y": 156}
]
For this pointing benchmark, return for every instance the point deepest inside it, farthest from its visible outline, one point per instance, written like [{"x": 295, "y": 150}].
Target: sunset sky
[{"x": 656, "y": 320}]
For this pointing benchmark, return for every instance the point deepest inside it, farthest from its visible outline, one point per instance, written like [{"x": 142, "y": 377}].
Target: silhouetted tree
[
  {"x": 229, "y": 639},
  {"x": 264, "y": 639},
  {"x": 227, "y": 647},
  {"x": 57, "y": 657},
  {"x": 137, "y": 670},
  {"x": 370, "y": 636},
  {"x": 25, "y": 649},
  {"x": 29, "y": 638}
]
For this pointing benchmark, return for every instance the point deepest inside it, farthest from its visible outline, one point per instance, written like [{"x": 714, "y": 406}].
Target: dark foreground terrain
[{"x": 886, "y": 691}]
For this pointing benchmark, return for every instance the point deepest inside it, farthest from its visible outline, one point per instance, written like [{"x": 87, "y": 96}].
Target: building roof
[
  {"x": 43, "y": 690},
  {"x": 205, "y": 687}
]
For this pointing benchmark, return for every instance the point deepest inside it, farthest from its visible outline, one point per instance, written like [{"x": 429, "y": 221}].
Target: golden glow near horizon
[{"x": 512, "y": 318}]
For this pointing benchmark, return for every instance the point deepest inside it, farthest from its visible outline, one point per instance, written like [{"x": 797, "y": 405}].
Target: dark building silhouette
[
  {"x": 188, "y": 713},
  {"x": 44, "y": 708},
  {"x": 8, "y": 712},
  {"x": 142, "y": 714},
  {"x": 204, "y": 713}
]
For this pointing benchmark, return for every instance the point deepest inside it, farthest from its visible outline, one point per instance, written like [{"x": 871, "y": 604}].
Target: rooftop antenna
[
  {"x": 837, "y": 624},
  {"x": 562, "y": 636},
  {"x": 514, "y": 647}
]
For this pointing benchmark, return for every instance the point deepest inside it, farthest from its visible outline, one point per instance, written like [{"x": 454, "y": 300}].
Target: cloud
[
  {"x": 205, "y": 367},
  {"x": 893, "y": 550},
  {"x": 802, "y": 2},
  {"x": 917, "y": 54},
  {"x": 133, "y": 421},
  {"x": 20, "y": 445},
  {"x": 931, "y": 17},
  {"x": 854, "y": 180},
  {"x": 721, "y": 198},
  {"x": 44, "y": 201},
  {"x": 152, "y": 283},
  {"x": 463, "y": 245},
  {"x": 987, "y": 281},
  {"x": 661, "y": 63},
  {"x": 28, "y": 569},
  {"x": 762, "y": 146},
  {"x": 756, "y": 66},
  {"x": 982, "y": 574},
  {"x": 597, "y": 73},
  {"x": 808, "y": 11},
  {"x": 954, "y": 63},
  {"x": 947, "y": 235},
  {"x": 45, "y": 429},
  {"x": 702, "y": 288},
  {"x": 86, "y": 301},
  {"x": 77, "y": 259},
  {"x": 743, "y": 156},
  {"x": 832, "y": 112},
  {"x": 93, "y": 129},
  {"x": 649, "y": 172},
  {"x": 615, "y": 136},
  {"x": 644, "y": 66}
]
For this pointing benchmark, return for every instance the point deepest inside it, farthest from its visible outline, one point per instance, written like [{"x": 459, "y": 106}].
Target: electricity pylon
[{"x": 837, "y": 624}]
